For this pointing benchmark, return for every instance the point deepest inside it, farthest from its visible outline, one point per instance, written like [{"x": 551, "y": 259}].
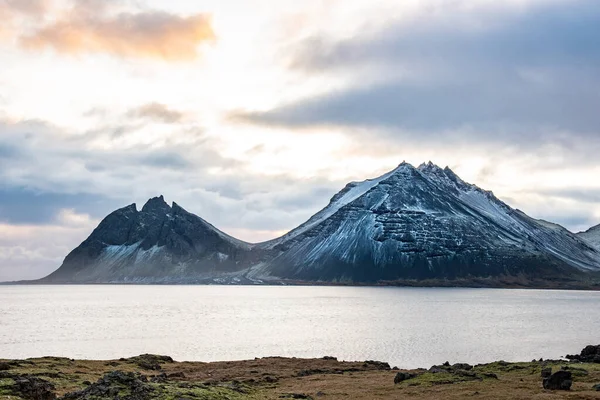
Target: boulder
[
  {"x": 560, "y": 380},
  {"x": 402, "y": 376},
  {"x": 590, "y": 354},
  {"x": 596, "y": 387},
  {"x": 462, "y": 366},
  {"x": 115, "y": 385},
  {"x": 546, "y": 372},
  {"x": 33, "y": 388}
]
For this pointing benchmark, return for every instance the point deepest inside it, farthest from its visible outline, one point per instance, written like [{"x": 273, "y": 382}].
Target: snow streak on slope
[{"x": 351, "y": 192}]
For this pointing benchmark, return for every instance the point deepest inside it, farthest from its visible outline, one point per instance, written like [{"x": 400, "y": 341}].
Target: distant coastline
[{"x": 593, "y": 283}]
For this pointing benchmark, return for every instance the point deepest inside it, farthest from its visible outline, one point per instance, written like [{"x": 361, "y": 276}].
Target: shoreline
[
  {"x": 149, "y": 376},
  {"x": 479, "y": 283}
]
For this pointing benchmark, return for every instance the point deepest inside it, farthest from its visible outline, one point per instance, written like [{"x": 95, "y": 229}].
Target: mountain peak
[
  {"x": 156, "y": 204},
  {"x": 429, "y": 167}
]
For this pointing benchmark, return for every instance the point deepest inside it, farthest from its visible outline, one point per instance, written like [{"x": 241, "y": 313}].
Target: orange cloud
[
  {"x": 148, "y": 34},
  {"x": 11, "y": 10},
  {"x": 158, "y": 112}
]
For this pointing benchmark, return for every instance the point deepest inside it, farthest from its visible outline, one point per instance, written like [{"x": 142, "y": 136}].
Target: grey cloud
[
  {"x": 8, "y": 151},
  {"x": 55, "y": 170},
  {"x": 585, "y": 195},
  {"x": 526, "y": 76},
  {"x": 165, "y": 159},
  {"x": 25, "y": 206}
]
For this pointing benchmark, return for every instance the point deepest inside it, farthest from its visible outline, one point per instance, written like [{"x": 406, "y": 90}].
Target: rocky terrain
[
  {"x": 592, "y": 236},
  {"x": 411, "y": 226},
  {"x": 148, "y": 377}
]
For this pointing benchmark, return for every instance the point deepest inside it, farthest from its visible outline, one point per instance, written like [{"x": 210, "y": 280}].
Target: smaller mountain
[
  {"x": 592, "y": 236},
  {"x": 160, "y": 243}
]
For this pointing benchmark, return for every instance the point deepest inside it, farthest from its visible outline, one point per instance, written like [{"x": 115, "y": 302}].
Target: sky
[{"x": 253, "y": 114}]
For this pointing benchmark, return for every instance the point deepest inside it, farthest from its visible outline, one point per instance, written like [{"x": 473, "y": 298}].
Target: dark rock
[
  {"x": 117, "y": 385},
  {"x": 466, "y": 374},
  {"x": 490, "y": 375},
  {"x": 377, "y": 364},
  {"x": 402, "y": 376},
  {"x": 270, "y": 379},
  {"x": 462, "y": 366},
  {"x": 150, "y": 361},
  {"x": 160, "y": 378},
  {"x": 295, "y": 396},
  {"x": 32, "y": 388},
  {"x": 176, "y": 375},
  {"x": 436, "y": 369},
  {"x": 320, "y": 394},
  {"x": 560, "y": 380},
  {"x": 395, "y": 369},
  {"x": 590, "y": 354},
  {"x": 4, "y": 366},
  {"x": 596, "y": 387},
  {"x": 330, "y": 358},
  {"x": 546, "y": 372},
  {"x": 308, "y": 372},
  {"x": 446, "y": 364}
]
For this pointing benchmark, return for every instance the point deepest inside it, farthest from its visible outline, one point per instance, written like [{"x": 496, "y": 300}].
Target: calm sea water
[{"x": 408, "y": 327}]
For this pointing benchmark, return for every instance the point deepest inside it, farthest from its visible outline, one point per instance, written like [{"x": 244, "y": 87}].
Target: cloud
[
  {"x": 157, "y": 112},
  {"x": 474, "y": 74},
  {"x": 92, "y": 27},
  {"x": 33, "y": 251},
  {"x": 22, "y": 206}
]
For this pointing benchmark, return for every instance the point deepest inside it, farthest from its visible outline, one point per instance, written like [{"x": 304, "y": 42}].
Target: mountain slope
[
  {"x": 411, "y": 223},
  {"x": 160, "y": 243},
  {"x": 592, "y": 236},
  {"x": 424, "y": 223}
]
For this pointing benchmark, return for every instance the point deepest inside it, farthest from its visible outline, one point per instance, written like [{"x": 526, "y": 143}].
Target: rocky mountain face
[
  {"x": 425, "y": 223},
  {"x": 592, "y": 236},
  {"x": 160, "y": 243},
  {"x": 412, "y": 223}
]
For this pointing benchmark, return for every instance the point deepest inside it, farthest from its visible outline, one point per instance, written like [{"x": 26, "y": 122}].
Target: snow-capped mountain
[
  {"x": 160, "y": 243},
  {"x": 408, "y": 224},
  {"x": 592, "y": 236},
  {"x": 419, "y": 223}
]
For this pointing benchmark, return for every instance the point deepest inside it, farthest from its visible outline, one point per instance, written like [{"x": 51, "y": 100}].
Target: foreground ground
[{"x": 157, "y": 377}]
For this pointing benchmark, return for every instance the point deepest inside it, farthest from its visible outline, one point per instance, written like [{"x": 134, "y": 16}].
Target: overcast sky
[{"x": 252, "y": 114}]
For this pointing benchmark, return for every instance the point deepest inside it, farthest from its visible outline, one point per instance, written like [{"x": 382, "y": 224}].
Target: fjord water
[{"x": 408, "y": 327}]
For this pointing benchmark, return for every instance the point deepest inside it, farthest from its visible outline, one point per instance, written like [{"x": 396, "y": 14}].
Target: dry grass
[{"x": 272, "y": 378}]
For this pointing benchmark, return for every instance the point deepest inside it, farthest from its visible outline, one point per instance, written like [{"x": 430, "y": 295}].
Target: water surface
[{"x": 408, "y": 327}]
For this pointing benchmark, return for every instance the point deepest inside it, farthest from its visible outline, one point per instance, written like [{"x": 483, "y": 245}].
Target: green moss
[
  {"x": 6, "y": 388},
  {"x": 174, "y": 391},
  {"x": 430, "y": 379}
]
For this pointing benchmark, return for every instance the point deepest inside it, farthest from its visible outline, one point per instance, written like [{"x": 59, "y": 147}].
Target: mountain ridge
[{"x": 422, "y": 223}]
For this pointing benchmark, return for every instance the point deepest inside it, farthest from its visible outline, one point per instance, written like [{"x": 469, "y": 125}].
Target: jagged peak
[
  {"x": 156, "y": 204},
  {"x": 177, "y": 209},
  {"x": 429, "y": 166}
]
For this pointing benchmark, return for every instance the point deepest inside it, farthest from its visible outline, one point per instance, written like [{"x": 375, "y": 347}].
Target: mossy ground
[{"x": 275, "y": 378}]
